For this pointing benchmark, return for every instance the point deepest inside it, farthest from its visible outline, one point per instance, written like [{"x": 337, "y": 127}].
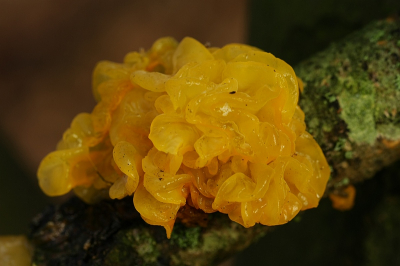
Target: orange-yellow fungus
[
  {"x": 218, "y": 129},
  {"x": 301, "y": 84},
  {"x": 345, "y": 200}
]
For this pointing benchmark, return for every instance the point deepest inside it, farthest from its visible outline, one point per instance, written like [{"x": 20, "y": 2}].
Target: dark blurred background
[{"x": 48, "y": 50}]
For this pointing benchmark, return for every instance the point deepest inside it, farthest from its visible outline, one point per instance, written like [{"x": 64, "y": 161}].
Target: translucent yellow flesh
[{"x": 216, "y": 128}]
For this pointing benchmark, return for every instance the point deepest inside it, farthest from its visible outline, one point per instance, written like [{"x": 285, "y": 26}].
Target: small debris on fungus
[{"x": 218, "y": 129}]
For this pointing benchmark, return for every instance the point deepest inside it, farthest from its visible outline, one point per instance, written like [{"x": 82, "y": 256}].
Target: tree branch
[{"x": 351, "y": 102}]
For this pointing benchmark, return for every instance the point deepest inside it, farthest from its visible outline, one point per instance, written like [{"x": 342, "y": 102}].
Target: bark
[{"x": 351, "y": 102}]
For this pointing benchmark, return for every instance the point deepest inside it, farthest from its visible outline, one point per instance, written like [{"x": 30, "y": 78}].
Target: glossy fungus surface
[{"x": 218, "y": 129}]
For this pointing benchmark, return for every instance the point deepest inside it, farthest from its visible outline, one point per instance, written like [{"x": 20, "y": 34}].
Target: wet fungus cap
[{"x": 216, "y": 128}]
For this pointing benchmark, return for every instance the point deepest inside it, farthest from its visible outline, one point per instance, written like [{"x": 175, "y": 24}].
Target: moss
[
  {"x": 340, "y": 144},
  {"x": 186, "y": 237},
  {"x": 389, "y": 131},
  {"x": 397, "y": 82},
  {"x": 314, "y": 123},
  {"x": 348, "y": 155},
  {"x": 358, "y": 112},
  {"x": 144, "y": 244},
  {"x": 214, "y": 241},
  {"x": 375, "y": 35},
  {"x": 134, "y": 246}
]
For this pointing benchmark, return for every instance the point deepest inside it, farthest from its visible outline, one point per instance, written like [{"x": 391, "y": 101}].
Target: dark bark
[
  {"x": 352, "y": 107},
  {"x": 113, "y": 233}
]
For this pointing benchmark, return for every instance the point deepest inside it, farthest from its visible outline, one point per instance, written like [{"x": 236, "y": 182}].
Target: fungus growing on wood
[
  {"x": 218, "y": 129},
  {"x": 343, "y": 200}
]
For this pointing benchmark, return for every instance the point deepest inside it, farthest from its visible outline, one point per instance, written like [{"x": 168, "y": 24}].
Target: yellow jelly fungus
[
  {"x": 345, "y": 200},
  {"x": 218, "y": 129}
]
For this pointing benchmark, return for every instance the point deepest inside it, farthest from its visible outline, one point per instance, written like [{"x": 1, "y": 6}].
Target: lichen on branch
[{"x": 351, "y": 102}]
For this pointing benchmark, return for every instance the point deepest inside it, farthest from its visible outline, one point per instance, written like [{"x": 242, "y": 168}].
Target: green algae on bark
[{"x": 351, "y": 102}]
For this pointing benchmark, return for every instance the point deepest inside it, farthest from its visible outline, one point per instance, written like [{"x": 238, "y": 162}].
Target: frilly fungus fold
[{"x": 216, "y": 128}]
